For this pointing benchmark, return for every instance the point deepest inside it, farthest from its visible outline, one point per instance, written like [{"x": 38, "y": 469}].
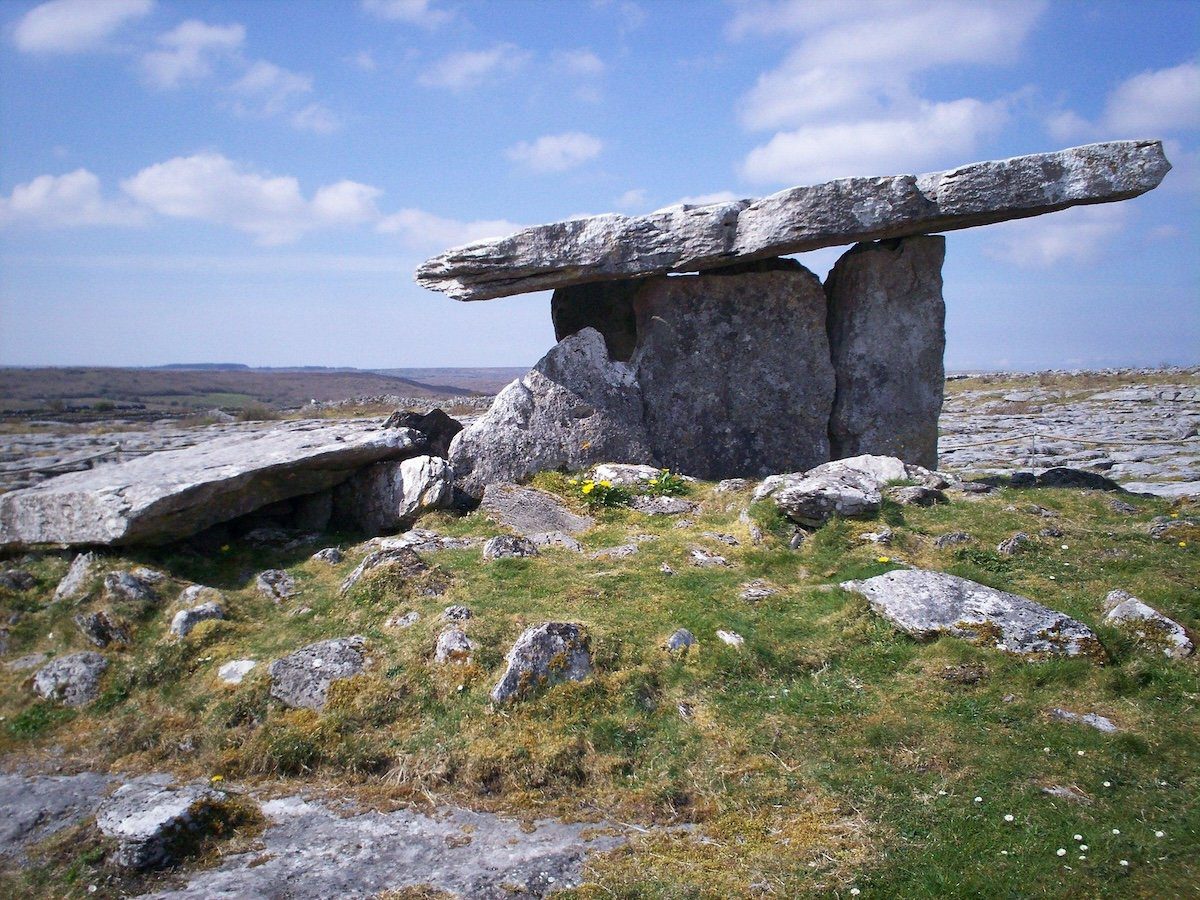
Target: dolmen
[{"x": 688, "y": 339}]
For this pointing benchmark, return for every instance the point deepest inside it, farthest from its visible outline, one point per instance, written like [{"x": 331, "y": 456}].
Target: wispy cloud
[
  {"x": 189, "y": 51},
  {"x": 424, "y": 231},
  {"x": 1077, "y": 235},
  {"x": 556, "y": 152},
  {"x": 473, "y": 68},
  {"x": 410, "y": 12},
  {"x": 73, "y": 26},
  {"x": 66, "y": 201}
]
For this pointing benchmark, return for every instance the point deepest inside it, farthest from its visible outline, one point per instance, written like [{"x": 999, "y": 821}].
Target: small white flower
[
  {"x": 1064, "y": 547},
  {"x": 1004, "y": 853},
  {"x": 1079, "y": 837},
  {"x": 854, "y": 892},
  {"x": 1008, "y": 817},
  {"x": 1108, "y": 784},
  {"x": 1160, "y": 834},
  {"x": 1116, "y": 831},
  {"x": 1062, "y": 851},
  {"x": 1052, "y": 578},
  {"x": 1079, "y": 752},
  {"x": 978, "y": 799},
  {"x": 1124, "y": 862},
  {"x": 1083, "y": 847},
  {"x": 941, "y": 793}
]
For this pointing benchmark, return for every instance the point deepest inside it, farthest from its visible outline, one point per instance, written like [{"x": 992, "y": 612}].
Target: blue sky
[{"x": 256, "y": 181}]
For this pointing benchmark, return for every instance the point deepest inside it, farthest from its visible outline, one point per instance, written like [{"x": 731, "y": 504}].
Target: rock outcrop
[
  {"x": 693, "y": 238},
  {"x": 928, "y": 604},
  {"x": 73, "y": 679},
  {"x": 148, "y": 816},
  {"x": 173, "y": 494},
  {"x": 575, "y": 408},
  {"x": 1147, "y": 625},
  {"x": 543, "y": 655},
  {"x": 887, "y": 335},
  {"x": 302, "y": 679},
  {"x": 389, "y": 496}
]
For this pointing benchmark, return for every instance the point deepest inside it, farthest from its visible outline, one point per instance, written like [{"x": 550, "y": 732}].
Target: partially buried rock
[
  {"x": 1147, "y": 624},
  {"x": 330, "y": 555},
  {"x": 275, "y": 584},
  {"x": 732, "y": 484},
  {"x": 128, "y": 587},
  {"x": 706, "y": 559},
  {"x": 456, "y": 613},
  {"x": 507, "y": 546},
  {"x": 1062, "y": 477},
  {"x": 102, "y": 628},
  {"x": 73, "y": 680},
  {"x": 625, "y": 474},
  {"x": 16, "y": 580},
  {"x": 302, "y": 679},
  {"x": 530, "y": 512},
  {"x": 235, "y": 671},
  {"x": 75, "y": 582},
  {"x": 846, "y": 487},
  {"x": 619, "y": 552},
  {"x": 187, "y": 619},
  {"x": 1100, "y": 723},
  {"x": 151, "y": 820},
  {"x": 400, "y": 561},
  {"x": 757, "y": 590},
  {"x": 680, "y": 641},
  {"x": 952, "y": 539},
  {"x": 1013, "y": 545},
  {"x": 545, "y": 654},
  {"x": 732, "y": 638},
  {"x": 663, "y": 506},
  {"x": 453, "y": 646},
  {"x": 916, "y": 496},
  {"x": 928, "y": 604},
  {"x": 195, "y": 594}
]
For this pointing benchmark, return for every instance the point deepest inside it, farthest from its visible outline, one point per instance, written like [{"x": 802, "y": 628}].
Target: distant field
[{"x": 182, "y": 391}]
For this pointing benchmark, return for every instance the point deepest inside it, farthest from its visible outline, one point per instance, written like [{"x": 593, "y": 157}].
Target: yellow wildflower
[{"x": 588, "y": 487}]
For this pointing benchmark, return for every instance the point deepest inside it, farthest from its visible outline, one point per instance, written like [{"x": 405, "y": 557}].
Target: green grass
[{"x": 829, "y": 752}]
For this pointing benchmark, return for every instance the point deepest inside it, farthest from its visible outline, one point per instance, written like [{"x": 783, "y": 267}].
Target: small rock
[
  {"x": 17, "y": 580},
  {"x": 797, "y": 539},
  {"x": 1062, "y": 477},
  {"x": 129, "y": 588},
  {"x": 757, "y": 590},
  {"x": 148, "y": 575},
  {"x": 1147, "y": 624},
  {"x": 883, "y": 536},
  {"x": 330, "y": 555},
  {"x": 187, "y": 619},
  {"x": 965, "y": 674},
  {"x": 723, "y": 538},
  {"x": 275, "y": 584},
  {"x": 624, "y": 474},
  {"x": 1121, "y": 507},
  {"x": 453, "y": 646},
  {"x": 1067, "y": 793},
  {"x": 302, "y": 679},
  {"x": 147, "y": 817},
  {"x": 506, "y": 546},
  {"x": 732, "y": 484},
  {"x": 686, "y": 711},
  {"x": 77, "y": 577},
  {"x": 195, "y": 594},
  {"x": 29, "y": 661},
  {"x": 544, "y": 654},
  {"x": 1022, "y": 480},
  {"x": 1100, "y": 723},
  {"x": 1013, "y": 545},
  {"x": 706, "y": 558},
  {"x": 619, "y": 552},
  {"x": 73, "y": 679},
  {"x": 916, "y": 495},
  {"x": 975, "y": 487},
  {"x": 1051, "y": 532},
  {"x": 732, "y": 638},
  {"x": 1034, "y": 510},
  {"x": 102, "y": 628},
  {"x": 456, "y": 613},
  {"x": 663, "y": 506},
  {"x": 680, "y": 641},
  {"x": 407, "y": 620},
  {"x": 681, "y": 524},
  {"x": 666, "y": 570},
  {"x": 235, "y": 671},
  {"x": 403, "y": 560}
]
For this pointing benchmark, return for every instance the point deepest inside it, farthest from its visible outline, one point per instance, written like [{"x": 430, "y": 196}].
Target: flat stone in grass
[
  {"x": 625, "y": 474},
  {"x": 508, "y": 546},
  {"x": 330, "y": 555},
  {"x": 16, "y": 580},
  {"x": 73, "y": 680},
  {"x": 32, "y": 808},
  {"x": 1092, "y": 720},
  {"x": 663, "y": 506},
  {"x": 1147, "y": 624},
  {"x": 530, "y": 512},
  {"x": 235, "y": 671},
  {"x": 680, "y": 641},
  {"x": 187, "y": 619},
  {"x": 275, "y": 584},
  {"x": 929, "y": 604},
  {"x": 302, "y": 679},
  {"x": 148, "y": 816},
  {"x": 545, "y": 654}
]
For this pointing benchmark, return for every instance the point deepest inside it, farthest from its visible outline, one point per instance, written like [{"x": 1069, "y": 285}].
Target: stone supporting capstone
[{"x": 887, "y": 334}]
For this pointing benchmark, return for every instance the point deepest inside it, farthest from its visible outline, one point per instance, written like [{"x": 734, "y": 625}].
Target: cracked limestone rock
[
  {"x": 302, "y": 679},
  {"x": 545, "y": 654}
]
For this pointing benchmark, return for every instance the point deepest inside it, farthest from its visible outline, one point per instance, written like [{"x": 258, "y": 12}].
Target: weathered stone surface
[
  {"x": 453, "y": 646},
  {"x": 952, "y": 539},
  {"x": 438, "y": 427},
  {"x": 1013, "y": 545},
  {"x": 1064, "y": 477},
  {"x": 732, "y": 638},
  {"x": 625, "y": 474},
  {"x": 147, "y": 816},
  {"x": 129, "y": 587},
  {"x": 187, "y": 619},
  {"x": 757, "y": 590},
  {"x": 680, "y": 641},
  {"x": 926, "y": 604},
  {"x": 302, "y": 679},
  {"x": 456, "y": 613},
  {"x": 732, "y": 484},
  {"x": 235, "y": 671},
  {"x": 102, "y": 628},
  {"x": 507, "y": 546},
  {"x": 73, "y": 679},
  {"x": 33, "y": 808},
  {"x": 575, "y": 408},
  {"x": 75, "y": 582},
  {"x": 735, "y": 372},
  {"x": 530, "y": 512},
  {"x": 330, "y": 555},
  {"x": 663, "y": 506},
  {"x": 16, "y": 580},
  {"x": 1147, "y": 624},
  {"x": 169, "y": 495},
  {"x": 389, "y": 496},
  {"x": 916, "y": 495},
  {"x": 275, "y": 584},
  {"x": 689, "y": 238},
  {"x": 1092, "y": 720},
  {"x": 404, "y": 560},
  {"x": 887, "y": 335},
  {"x": 544, "y": 654}
]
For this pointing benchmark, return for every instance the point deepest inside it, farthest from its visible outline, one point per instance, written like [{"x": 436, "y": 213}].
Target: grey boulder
[
  {"x": 575, "y": 408},
  {"x": 545, "y": 654},
  {"x": 16, "y": 580},
  {"x": 187, "y": 619},
  {"x": 79, "y": 574},
  {"x": 508, "y": 546},
  {"x": 302, "y": 679},
  {"x": 928, "y": 604},
  {"x": 172, "y": 494},
  {"x": 73, "y": 680},
  {"x": 453, "y": 646},
  {"x": 531, "y": 513},
  {"x": 389, "y": 496},
  {"x": 1147, "y": 624},
  {"x": 129, "y": 587},
  {"x": 687, "y": 238},
  {"x": 148, "y": 818}
]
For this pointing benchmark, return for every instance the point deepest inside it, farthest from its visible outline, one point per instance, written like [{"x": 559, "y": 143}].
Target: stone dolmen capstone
[{"x": 749, "y": 365}]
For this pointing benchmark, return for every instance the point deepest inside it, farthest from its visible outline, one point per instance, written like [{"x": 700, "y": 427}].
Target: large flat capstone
[
  {"x": 687, "y": 238},
  {"x": 176, "y": 493}
]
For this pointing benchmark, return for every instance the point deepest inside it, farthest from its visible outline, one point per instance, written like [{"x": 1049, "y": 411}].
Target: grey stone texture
[
  {"x": 531, "y": 513},
  {"x": 887, "y": 335},
  {"x": 1147, "y": 624},
  {"x": 32, "y": 808},
  {"x": 148, "y": 815},
  {"x": 389, "y": 496},
  {"x": 549, "y": 653},
  {"x": 187, "y": 619},
  {"x": 73, "y": 680},
  {"x": 302, "y": 679},
  {"x": 687, "y": 238}
]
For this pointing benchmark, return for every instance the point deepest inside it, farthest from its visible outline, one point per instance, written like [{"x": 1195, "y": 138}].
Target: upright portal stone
[
  {"x": 887, "y": 335},
  {"x": 735, "y": 371}
]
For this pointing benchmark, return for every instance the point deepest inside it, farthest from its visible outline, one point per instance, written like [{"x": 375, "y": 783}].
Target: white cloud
[
  {"x": 315, "y": 117},
  {"x": 1068, "y": 126},
  {"x": 556, "y": 152},
  {"x": 876, "y": 146},
  {"x": 1151, "y": 103},
  {"x": 56, "y": 201},
  {"x": 425, "y": 231},
  {"x": 708, "y": 199},
  {"x": 211, "y": 188},
  {"x": 364, "y": 60},
  {"x": 268, "y": 89},
  {"x": 412, "y": 12},
  {"x": 472, "y": 68},
  {"x": 70, "y": 26},
  {"x": 189, "y": 50},
  {"x": 582, "y": 62},
  {"x": 631, "y": 199},
  {"x": 1078, "y": 235}
]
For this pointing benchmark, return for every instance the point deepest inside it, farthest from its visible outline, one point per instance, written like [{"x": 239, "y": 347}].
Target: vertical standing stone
[
  {"x": 734, "y": 370},
  {"x": 886, "y": 336}
]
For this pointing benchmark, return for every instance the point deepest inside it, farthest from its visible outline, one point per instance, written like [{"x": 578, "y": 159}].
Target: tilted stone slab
[
  {"x": 176, "y": 493},
  {"x": 687, "y": 238}
]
